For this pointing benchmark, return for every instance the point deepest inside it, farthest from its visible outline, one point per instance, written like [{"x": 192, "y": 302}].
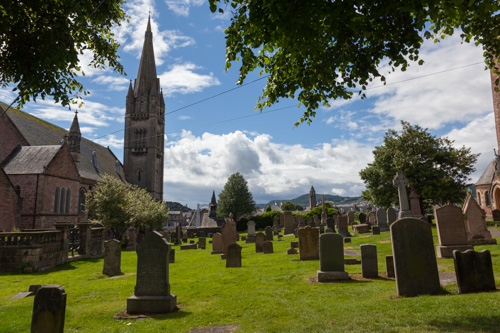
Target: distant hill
[
  {"x": 172, "y": 205},
  {"x": 304, "y": 200}
]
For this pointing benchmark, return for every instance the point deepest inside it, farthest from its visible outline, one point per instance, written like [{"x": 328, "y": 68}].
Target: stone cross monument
[{"x": 404, "y": 208}]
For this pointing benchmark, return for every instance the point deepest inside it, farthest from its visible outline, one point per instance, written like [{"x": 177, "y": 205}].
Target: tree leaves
[
  {"x": 325, "y": 49},
  {"x": 235, "y": 198}
]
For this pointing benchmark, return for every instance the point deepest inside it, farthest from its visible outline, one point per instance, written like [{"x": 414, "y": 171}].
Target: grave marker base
[
  {"x": 151, "y": 304},
  {"x": 332, "y": 276},
  {"x": 447, "y": 251}
]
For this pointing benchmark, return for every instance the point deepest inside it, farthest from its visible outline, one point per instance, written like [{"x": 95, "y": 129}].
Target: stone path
[{"x": 494, "y": 232}]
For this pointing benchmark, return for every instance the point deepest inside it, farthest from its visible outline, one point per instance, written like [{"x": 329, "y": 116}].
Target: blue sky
[{"x": 208, "y": 141}]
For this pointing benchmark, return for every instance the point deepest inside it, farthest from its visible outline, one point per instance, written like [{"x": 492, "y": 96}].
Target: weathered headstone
[
  {"x": 371, "y": 218},
  {"x": 276, "y": 230},
  {"x": 228, "y": 234},
  {"x": 330, "y": 223},
  {"x": 217, "y": 244},
  {"x": 291, "y": 251},
  {"x": 389, "y": 264},
  {"x": 49, "y": 309},
  {"x": 267, "y": 247},
  {"x": 321, "y": 229},
  {"x": 350, "y": 217},
  {"x": 381, "y": 215},
  {"x": 112, "y": 257},
  {"x": 400, "y": 181},
  {"x": 171, "y": 256},
  {"x": 361, "y": 228},
  {"x": 475, "y": 223},
  {"x": 362, "y": 218},
  {"x": 260, "y": 238},
  {"x": 308, "y": 243},
  {"x": 269, "y": 233},
  {"x": 343, "y": 225},
  {"x": 474, "y": 271},
  {"x": 152, "y": 289},
  {"x": 391, "y": 216},
  {"x": 202, "y": 243},
  {"x": 416, "y": 211},
  {"x": 375, "y": 230},
  {"x": 331, "y": 258},
  {"x": 289, "y": 222},
  {"x": 451, "y": 231},
  {"x": 496, "y": 215},
  {"x": 317, "y": 220},
  {"x": 294, "y": 244},
  {"x": 132, "y": 236},
  {"x": 189, "y": 246},
  {"x": 178, "y": 234},
  {"x": 415, "y": 262},
  {"x": 369, "y": 262},
  {"x": 233, "y": 258},
  {"x": 347, "y": 240},
  {"x": 251, "y": 228}
]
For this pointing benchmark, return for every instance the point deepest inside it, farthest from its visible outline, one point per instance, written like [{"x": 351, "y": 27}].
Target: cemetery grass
[{"x": 270, "y": 293}]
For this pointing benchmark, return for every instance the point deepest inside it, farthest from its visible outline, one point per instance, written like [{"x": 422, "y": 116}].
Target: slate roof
[
  {"x": 39, "y": 132},
  {"x": 487, "y": 176},
  {"x": 29, "y": 159}
]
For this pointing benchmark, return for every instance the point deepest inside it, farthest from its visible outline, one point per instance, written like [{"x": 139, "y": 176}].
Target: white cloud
[
  {"x": 181, "y": 78},
  {"x": 184, "y": 117},
  {"x": 198, "y": 164},
  {"x": 181, "y": 7},
  {"x": 110, "y": 141},
  {"x": 115, "y": 83},
  {"x": 435, "y": 100}
]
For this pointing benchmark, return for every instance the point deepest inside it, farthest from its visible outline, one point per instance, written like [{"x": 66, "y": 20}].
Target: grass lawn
[{"x": 271, "y": 293}]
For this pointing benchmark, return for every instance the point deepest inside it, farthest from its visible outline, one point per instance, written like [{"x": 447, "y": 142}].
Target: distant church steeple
[
  {"x": 145, "y": 125},
  {"x": 312, "y": 198},
  {"x": 74, "y": 139},
  {"x": 213, "y": 207}
]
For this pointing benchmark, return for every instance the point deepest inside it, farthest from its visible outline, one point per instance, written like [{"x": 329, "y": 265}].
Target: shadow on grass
[
  {"x": 61, "y": 267},
  {"x": 479, "y": 323},
  {"x": 179, "y": 313}
]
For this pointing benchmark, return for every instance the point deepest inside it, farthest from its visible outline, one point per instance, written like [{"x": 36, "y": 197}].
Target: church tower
[
  {"x": 312, "y": 198},
  {"x": 145, "y": 125},
  {"x": 74, "y": 137}
]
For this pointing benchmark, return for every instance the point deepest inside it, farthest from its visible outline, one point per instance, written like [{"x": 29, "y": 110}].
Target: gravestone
[
  {"x": 475, "y": 223},
  {"x": 369, "y": 262},
  {"x": 282, "y": 220},
  {"x": 389, "y": 264},
  {"x": 152, "y": 289},
  {"x": 375, "y": 230},
  {"x": 276, "y": 222},
  {"x": 321, "y": 229},
  {"x": 217, "y": 244},
  {"x": 316, "y": 220},
  {"x": 347, "y": 240},
  {"x": 294, "y": 244},
  {"x": 132, "y": 237},
  {"x": 269, "y": 233},
  {"x": 291, "y": 251},
  {"x": 416, "y": 211},
  {"x": 276, "y": 230},
  {"x": 331, "y": 258},
  {"x": 350, "y": 217},
  {"x": 496, "y": 214},
  {"x": 251, "y": 228},
  {"x": 189, "y": 246},
  {"x": 308, "y": 243},
  {"x": 381, "y": 215},
  {"x": 343, "y": 226},
  {"x": 267, "y": 247},
  {"x": 202, "y": 243},
  {"x": 260, "y": 238},
  {"x": 112, "y": 257},
  {"x": 391, "y": 216},
  {"x": 289, "y": 222},
  {"x": 228, "y": 234},
  {"x": 362, "y": 218},
  {"x": 415, "y": 264},
  {"x": 474, "y": 271},
  {"x": 400, "y": 181},
  {"x": 171, "y": 256},
  {"x": 49, "y": 309},
  {"x": 451, "y": 231},
  {"x": 178, "y": 234},
  {"x": 233, "y": 258},
  {"x": 330, "y": 223},
  {"x": 371, "y": 218}
]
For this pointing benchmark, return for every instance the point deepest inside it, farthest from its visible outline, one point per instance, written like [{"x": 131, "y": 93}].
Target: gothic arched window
[
  {"x": 56, "y": 200},
  {"x": 68, "y": 197},
  {"x": 61, "y": 202},
  {"x": 81, "y": 202},
  {"x": 478, "y": 198},
  {"x": 487, "y": 198}
]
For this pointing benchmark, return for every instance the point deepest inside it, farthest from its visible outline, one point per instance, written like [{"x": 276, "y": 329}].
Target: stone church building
[{"x": 45, "y": 171}]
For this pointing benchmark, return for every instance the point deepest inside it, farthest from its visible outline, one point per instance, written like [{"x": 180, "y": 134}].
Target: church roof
[
  {"x": 487, "y": 176},
  {"x": 30, "y": 159},
  {"x": 213, "y": 202},
  {"x": 39, "y": 132}
]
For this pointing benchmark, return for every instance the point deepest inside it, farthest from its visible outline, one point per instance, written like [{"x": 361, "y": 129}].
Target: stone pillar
[
  {"x": 85, "y": 237},
  {"x": 64, "y": 227}
]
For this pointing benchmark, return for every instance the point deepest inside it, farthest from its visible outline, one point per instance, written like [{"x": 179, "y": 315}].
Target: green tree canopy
[
  {"x": 434, "y": 168},
  {"x": 235, "y": 198},
  {"x": 319, "y": 209},
  {"x": 324, "y": 50},
  {"x": 290, "y": 206},
  {"x": 115, "y": 204},
  {"x": 40, "y": 42},
  {"x": 268, "y": 208}
]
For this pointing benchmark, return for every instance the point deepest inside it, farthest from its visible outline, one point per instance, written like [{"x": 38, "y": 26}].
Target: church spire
[
  {"x": 74, "y": 139},
  {"x": 146, "y": 76}
]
